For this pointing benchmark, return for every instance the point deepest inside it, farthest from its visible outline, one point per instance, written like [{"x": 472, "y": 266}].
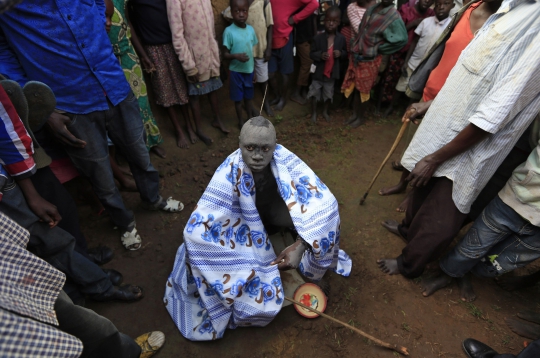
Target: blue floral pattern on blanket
[{"x": 222, "y": 277}]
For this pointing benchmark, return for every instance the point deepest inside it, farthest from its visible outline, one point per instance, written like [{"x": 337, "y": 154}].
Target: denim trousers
[
  {"x": 124, "y": 126},
  {"x": 99, "y": 336},
  {"x": 499, "y": 241},
  {"x": 55, "y": 246},
  {"x": 531, "y": 351}
]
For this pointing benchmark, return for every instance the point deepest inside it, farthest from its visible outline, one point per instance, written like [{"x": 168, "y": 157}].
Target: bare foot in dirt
[
  {"x": 388, "y": 266},
  {"x": 357, "y": 123},
  {"x": 298, "y": 99},
  {"x": 391, "y": 190},
  {"x": 314, "y": 117},
  {"x": 268, "y": 109},
  {"x": 351, "y": 119},
  {"x": 403, "y": 206},
  {"x": 192, "y": 136},
  {"x": 181, "y": 141},
  {"x": 432, "y": 285},
  {"x": 127, "y": 184},
  {"x": 241, "y": 124},
  {"x": 466, "y": 288},
  {"x": 159, "y": 151},
  {"x": 524, "y": 329},
  {"x": 327, "y": 116},
  {"x": 280, "y": 105},
  {"x": 219, "y": 125},
  {"x": 392, "y": 226},
  {"x": 206, "y": 140}
]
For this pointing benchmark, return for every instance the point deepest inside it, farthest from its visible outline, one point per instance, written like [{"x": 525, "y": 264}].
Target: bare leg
[
  {"x": 196, "y": 109},
  {"x": 190, "y": 125},
  {"x": 360, "y": 115},
  {"x": 313, "y": 110},
  {"x": 395, "y": 99},
  {"x": 217, "y": 117},
  {"x": 251, "y": 111},
  {"x": 297, "y": 96},
  {"x": 238, "y": 107},
  {"x": 403, "y": 206},
  {"x": 356, "y": 107},
  {"x": 398, "y": 188},
  {"x": 283, "y": 98},
  {"x": 181, "y": 140},
  {"x": 273, "y": 81},
  {"x": 325, "y": 111},
  {"x": 266, "y": 104},
  {"x": 127, "y": 184}
]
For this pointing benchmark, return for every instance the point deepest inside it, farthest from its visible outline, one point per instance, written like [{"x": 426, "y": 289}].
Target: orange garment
[{"x": 459, "y": 39}]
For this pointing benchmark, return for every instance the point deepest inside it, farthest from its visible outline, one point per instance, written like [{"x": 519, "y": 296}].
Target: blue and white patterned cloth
[{"x": 222, "y": 277}]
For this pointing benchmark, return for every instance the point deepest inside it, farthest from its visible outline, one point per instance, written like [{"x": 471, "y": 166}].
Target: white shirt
[
  {"x": 429, "y": 30},
  {"x": 494, "y": 85}
]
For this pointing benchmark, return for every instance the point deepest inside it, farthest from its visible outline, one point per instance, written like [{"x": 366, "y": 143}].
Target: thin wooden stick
[
  {"x": 401, "y": 350},
  {"x": 396, "y": 142},
  {"x": 264, "y": 98}
]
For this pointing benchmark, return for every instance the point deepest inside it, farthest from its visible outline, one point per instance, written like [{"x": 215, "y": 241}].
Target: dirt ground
[{"x": 390, "y": 308}]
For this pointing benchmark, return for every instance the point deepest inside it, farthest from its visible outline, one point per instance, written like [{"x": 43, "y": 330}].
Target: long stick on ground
[
  {"x": 396, "y": 142},
  {"x": 401, "y": 350}
]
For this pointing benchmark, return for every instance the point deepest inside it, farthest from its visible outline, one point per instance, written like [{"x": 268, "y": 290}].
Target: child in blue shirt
[{"x": 238, "y": 41}]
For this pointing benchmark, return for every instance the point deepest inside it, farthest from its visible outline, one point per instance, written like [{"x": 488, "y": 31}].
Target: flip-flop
[
  {"x": 17, "y": 97},
  {"x": 41, "y": 103},
  {"x": 150, "y": 343}
]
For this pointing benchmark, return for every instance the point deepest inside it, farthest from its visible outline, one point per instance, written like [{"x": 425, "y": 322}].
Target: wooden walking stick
[
  {"x": 401, "y": 350},
  {"x": 396, "y": 142}
]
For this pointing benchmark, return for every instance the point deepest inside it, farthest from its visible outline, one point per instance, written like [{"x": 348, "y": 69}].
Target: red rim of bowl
[{"x": 300, "y": 309}]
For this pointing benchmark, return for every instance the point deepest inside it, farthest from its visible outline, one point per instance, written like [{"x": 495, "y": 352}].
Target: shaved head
[{"x": 257, "y": 143}]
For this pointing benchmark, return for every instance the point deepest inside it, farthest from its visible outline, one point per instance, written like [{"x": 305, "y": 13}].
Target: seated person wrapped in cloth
[{"x": 226, "y": 273}]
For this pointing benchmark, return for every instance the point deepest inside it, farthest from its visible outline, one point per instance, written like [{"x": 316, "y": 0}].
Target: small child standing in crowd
[
  {"x": 326, "y": 51},
  {"x": 238, "y": 41}
]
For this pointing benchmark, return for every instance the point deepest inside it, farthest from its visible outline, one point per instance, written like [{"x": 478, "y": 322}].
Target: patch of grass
[
  {"x": 496, "y": 308},
  {"x": 278, "y": 118},
  {"x": 473, "y": 310},
  {"x": 406, "y": 327}
]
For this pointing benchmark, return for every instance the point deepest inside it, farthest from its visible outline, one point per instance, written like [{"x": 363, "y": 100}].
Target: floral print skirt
[
  {"x": 168, "y": 81},
  {"x": 132, "y": 69}
]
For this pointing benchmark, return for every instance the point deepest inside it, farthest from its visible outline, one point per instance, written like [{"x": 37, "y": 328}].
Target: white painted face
[{"x": 257, "y": 143}]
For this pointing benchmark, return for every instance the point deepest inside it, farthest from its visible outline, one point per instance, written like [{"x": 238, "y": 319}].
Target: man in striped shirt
[{"x": 487, "y": 102}]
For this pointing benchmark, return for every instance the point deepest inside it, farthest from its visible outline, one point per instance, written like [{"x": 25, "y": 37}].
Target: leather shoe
[
  {"x": 101, "y": 255},
  {"x": 115, "y": 276},
  {"x": 476, "y": 349}
]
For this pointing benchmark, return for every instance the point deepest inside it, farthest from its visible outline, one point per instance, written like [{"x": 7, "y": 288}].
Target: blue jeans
[
  {"x": 55, "y": 246},
  {"x": 499, "y": 241},
  {"x": 124, "y": 126}
]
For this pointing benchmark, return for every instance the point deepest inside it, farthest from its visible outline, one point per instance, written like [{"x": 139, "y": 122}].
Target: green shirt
[{"x": 240, "y": 40}]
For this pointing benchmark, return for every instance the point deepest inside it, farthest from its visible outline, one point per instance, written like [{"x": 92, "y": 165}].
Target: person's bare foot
[
  {"x": 241, "y": 124},
  {"x": 351, "y": 119},
  {"x": 219, "y": 125},
  {"x": 280, "y": 105},
  {"x": 388, "y": 111},
  {"x": 432, "y": 285},
  {"x": 192, "y": 136},
  {"x": 298, "y": 99},
  {"x": 403, "y": 206},
  {"x": 392, "y": 226},
  {"x": 206, "y": 140},
  {"x": 326, "y": 116},
  {"x": 159, "y": 151},
  {"x": 357, "y": 123},
  {"x": 275, "y": 101},
  {"x": 530, "y": 316},
  {"x": 127, "y": 184},
  {"x": 511, "y": 283},
  {"x": 314, "y": 117},
  {"x": 181, "y": 141},
  {"x": 268, "y": 109},
  {"x": 391, "y": 190},
  {"x": 388, "y": 266},
  {"x": 466, "y": 288},
  {"x": 523, "y": 328}
]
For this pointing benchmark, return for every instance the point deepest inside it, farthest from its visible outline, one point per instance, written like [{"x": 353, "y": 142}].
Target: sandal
[
  {"x": 41, "y": 103},
  {"x": 131, "y": 240},
  {"x": 150, "y": 343},
  {"x": 396, "y": 165},
  {"x": 122, "y": 293}
]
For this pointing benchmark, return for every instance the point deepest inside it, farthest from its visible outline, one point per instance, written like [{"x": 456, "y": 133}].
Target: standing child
[
  {"x": 326, "y": 51},
  {"x": 238, "y": 41},
  {"x": 194, "y": 40},
  {"x": 158, "y": 58}
]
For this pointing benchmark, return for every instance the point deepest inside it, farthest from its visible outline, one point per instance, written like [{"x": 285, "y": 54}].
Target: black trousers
[
  {"x": 532, "y": 351},
  {"x": 99, "y": 336}
]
